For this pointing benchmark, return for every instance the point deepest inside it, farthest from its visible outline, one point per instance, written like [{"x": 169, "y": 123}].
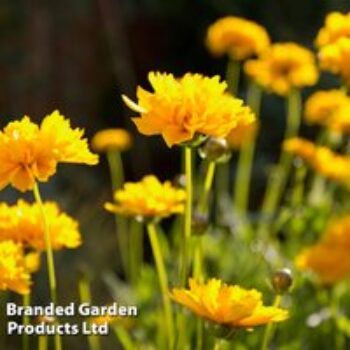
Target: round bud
[
  {"x": 199, "y": 223},
  {"x": 215, "y": 149},
  {"x": 282, "y": 280}
]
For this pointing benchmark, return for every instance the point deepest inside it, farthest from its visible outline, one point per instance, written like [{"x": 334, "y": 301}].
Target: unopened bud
[
  {"x": 282, "y": 280},
  {"x": 215, "y": 150}
]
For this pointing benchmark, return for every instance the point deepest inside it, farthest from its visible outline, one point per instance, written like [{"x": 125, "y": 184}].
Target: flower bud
[
  {"x": 282, "y": 280},
  {"x": 215, "y": 150},
  {"x": 200, "y": 223}
]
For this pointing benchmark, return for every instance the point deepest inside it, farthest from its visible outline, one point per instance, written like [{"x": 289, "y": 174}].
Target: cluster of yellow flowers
[
  {"x": 148, "y": 198},
  {"x": 330, "y": 109},
  {"x": 329, "y": 258},
  {"x": 331, "y": 165},
  {"x": 181, "y": 109},
  {"x": 111, "y": 140},
  {"x": 333, "y": 42}
]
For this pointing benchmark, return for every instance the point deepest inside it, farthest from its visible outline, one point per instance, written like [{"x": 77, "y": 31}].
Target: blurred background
[{"x": 79, "y": 56}]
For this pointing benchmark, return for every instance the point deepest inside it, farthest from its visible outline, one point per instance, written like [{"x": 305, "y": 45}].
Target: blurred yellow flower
[
  {"x": 237, "y": 37},
  {"x": 14, "y": 275},
  {"x": 227, "y": 305},
  {"x": 32, "y": 261},
  {"x": 30, "y": 153},
  {"x": 111, "y": 140},
  {"x": 147, "y": 199},
  {"x": 333, "y": 166},
  {"x": 244, "y": 131},
  {"x": 23, "y": 223},
  {"x": 330, "y": 109},
  {"x": 329, "y": 258},
  {"x": 180, "y": 109},
  {"x": 337, "y": 25},
  {"x": 283, "y": 67},
  {"x": 335, "y": 58}
]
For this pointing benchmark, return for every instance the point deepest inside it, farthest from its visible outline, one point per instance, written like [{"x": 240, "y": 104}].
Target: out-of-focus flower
[
  {"x": 14, "y": 275},
  {"x": 32, "y": 261},
  {"x": 237, "y": 37},
  {"x": 334, "y": 166},
  {"x": 329, "y": 258},
  {"x": 181, "y": 109},
  {"x": 23, "y": 223},
  {"x": 148, "y": 198},
  {"x": 244, "y": 131},
  {"x": 330, "y": 109},
  {"x": 30, "y": 153},
  {"x": 337, "y": 25},
  {"x": 283, "y": 67},
  {"x": 227, "y": 305},
  {"x": 111, "y": 140},
  {"x": 335, "y": 58}
]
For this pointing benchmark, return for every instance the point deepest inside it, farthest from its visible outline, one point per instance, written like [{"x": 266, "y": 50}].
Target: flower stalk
[{"x": 26, "y": 322}]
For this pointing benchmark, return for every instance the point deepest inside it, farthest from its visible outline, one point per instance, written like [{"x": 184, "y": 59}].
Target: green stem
[
  {"x": 163, "y": 281},
  {"x": 278, "y": 180},
  {"x": 268, "y": 332},
  {"x": 85, "y": 297},
  {"x": 136, "y": 250},
  {"x": 208, "y": 182},
  {"x": 49, "y": 256},
  {"x": 26, "y": 322},
  {"x": 42, "y": 342},
  {"x": 232, "y": 76},
  {"x": 339, "y": 340},
  {"x": 123, "y": 338},
  {"x": 117, "y": 177},
  {"x": 298, "y": 186},
  {"x": 246, "y": 156},
  {"x": 217, "y": 344},
  {"x": 188, "y": 217}
]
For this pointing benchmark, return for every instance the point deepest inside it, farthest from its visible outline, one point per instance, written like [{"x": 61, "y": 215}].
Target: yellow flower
[
  {"x": 329, "y": 258},
  {"x": 244, "y": 131},
  {"x": 147, "y": 199},
  {"x": 283, "y": 67},
  {"x": 30, "y": 153},
  {"x": 227, "y": 305},
  {"x": 320, "y": 158},
  {"x": 32, "y": 261},
  {"x": 111, "y": 140},
  {"x": 23, "y": 223},
  {"x": 14, "y": 275},
  {"x": 337, "y": 25},
  {"x": 180, "y": 109},
  {"x": 330, "y": 109},
  {"x": 237, "y": 37},
  {"x": 335, "y": 58}
]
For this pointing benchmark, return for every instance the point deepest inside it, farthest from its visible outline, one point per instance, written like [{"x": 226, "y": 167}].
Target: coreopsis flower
[
  {"x": 337, "y": 25},
  {"x": 283, "y": 67},
  {"x": 244, "y": 131},
  {"x": 148, "y": 198},
  {"x": 329, "y": 258},
  {"x": 111, "y": 140},
  {"x": 32, "y": 261},
  {"x": 30, "y": 153},
  {"x": 227, "y": 305},
  {"x": 23, "y": 223},
  {"x": 181, "y": 109},
  {"x": 237, "y": 37},
  {"x": 330, "y": 109},
  {"x": 335, "y": 58},
  {"x": 331, "y": 165},
  {"x": 14, "y": 275}
]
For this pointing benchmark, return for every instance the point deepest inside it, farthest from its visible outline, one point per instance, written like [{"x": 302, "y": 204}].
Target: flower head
[
  {"x": 329, "y": 258},
  {"x": 330, "y": 109},
  {"x": 23, "y": 223},
  {"x": 237, "y": 37},
  {"x": 283, "y": 67},
  {"x": 111, "y": 139},
  {"x": 337, "y": 25},
  {"x": 227, "y": 305},
  {"x": 180, "y": 109},
  {"x": 319, "y": 159},
  {"x": 148, "y": 198},
  {"x": 335, "y": 58},
  {"x": 14, "y": 275},
  {"x": 30, "y": 153}
]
